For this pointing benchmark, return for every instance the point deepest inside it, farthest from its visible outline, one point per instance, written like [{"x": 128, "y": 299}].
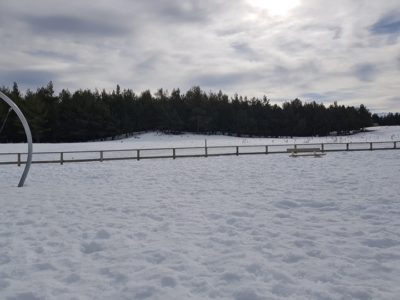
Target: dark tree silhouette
[{"x": 92, "y": 115}]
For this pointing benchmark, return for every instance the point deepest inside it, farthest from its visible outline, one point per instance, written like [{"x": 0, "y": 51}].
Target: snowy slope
[{"x": 243, "y": 228}]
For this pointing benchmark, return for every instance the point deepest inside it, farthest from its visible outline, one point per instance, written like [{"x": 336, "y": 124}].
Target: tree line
[
  {"x": 86, "y": 115},
  {"x": 389, "y": 119}
]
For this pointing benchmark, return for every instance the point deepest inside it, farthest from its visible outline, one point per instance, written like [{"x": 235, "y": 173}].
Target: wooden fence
[{"x": 180, "y": 152}]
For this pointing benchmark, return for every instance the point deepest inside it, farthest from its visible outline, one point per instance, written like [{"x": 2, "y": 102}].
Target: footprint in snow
[
  {"x": 281, "y": 290},
  {"x": 24, "y": 296},
  {"x": 242, "y": 214},
  {"x": 304, "y": 243},
  {"x": 102, "y": 234},
  {"x": 91, "y": 247},
  {"x": 168, "y": 282},
  {"x": 4, "y": 259},
  {"x": 4, "y": 284},
  {"x": 44, "y": 267},
  {"x": 154, "y": 257},
  {"x": 214, "y": 216},
  {"x": 380, "y": 243},
  {"x": 286, "y": 204},
  {"x": 114, "y": 275},
  {"x": 254, "y": 269},
  {"x": 292, "y": 258},
  {"x": 144, "y": 292},
  {"x": 230, "y": 277},
  {"x": 153, "y": 217},
  {"x": 72, "y": 278},
  {"x": 282, "y": 216},
  {"x": 246, "y": 295}
]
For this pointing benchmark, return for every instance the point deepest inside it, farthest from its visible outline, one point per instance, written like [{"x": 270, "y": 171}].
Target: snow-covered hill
[{"x": 243, "y": 228}]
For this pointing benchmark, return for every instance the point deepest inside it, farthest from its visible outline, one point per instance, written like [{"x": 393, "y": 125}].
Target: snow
[
  {"x": 160, "y": 140},
  {"x": 242, "y": 228}
]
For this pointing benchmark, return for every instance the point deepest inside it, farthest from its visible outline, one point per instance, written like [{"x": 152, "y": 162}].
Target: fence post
[
  {"x": 101, "y": 156},
  {"x": 138, "y": 154},
  {"x": 394, "y": 145},
  {"x": 322, "y": 147},
  {"x": 173, "y": 153},
  {"x": 237, "y": 150},
  {"x": 347, "y": 146},
  {"x": 61, "y": 158},
  {"x": 19, "y": 159},
  {"x": 370, "y": 146},
  {"x": 266, "y": 149},
  {"x": 205, "y": 151}
]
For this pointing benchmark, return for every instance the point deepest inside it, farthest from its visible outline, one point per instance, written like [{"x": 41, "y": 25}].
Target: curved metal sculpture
[{"x": 28, "y": 136}]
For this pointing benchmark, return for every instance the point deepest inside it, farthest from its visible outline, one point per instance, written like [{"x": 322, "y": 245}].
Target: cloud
[
  {"x": 328, "y": 96},
  {"x": 60, "y": 24},
  {"x": 366, "y": 72},
  {"x": 223, "y": 80},
  {"x": 315, "y": 97},
  {"x": 334, "y": 30},
  {"x": 52, "y": 54},
  {"x": 343, "y": 50},
  {"x": 27, "y": 78},
  {"x": 181, "y": 12},
  {"x": 388, "y": 24},
  {"x": 245, "y": 50}
]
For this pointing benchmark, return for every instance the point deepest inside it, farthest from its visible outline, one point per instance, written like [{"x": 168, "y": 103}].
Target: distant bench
[{"x": 305, "y": 152}]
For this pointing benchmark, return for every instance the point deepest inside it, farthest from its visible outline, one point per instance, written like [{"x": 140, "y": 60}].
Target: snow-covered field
[
  {"x": 242, "y": 228},
  {"x": 159, "y": 140}
]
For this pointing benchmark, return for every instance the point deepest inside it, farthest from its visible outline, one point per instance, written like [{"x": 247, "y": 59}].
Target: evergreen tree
[{"x": 89, "y": 115}]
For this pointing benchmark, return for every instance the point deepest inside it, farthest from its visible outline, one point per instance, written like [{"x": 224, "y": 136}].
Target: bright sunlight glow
[{"x": 275, "y": 7}]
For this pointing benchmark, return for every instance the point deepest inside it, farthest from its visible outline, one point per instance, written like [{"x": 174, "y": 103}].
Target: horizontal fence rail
[{"x": 180, "y": 152}]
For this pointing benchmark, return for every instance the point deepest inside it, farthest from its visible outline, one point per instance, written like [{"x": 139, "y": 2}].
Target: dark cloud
[
  {"x": 53, "y": 55},
  {"x": 385, "y": 105},
  {"x": 295, "y": 75},
  {"x": 27, "y": 78},
  {"x": 149, "y": 63},
  {"x": 294, "y": 45},
  {"x": 387, "y": 24},
  {"x": 339, "y": 95},
  {"x": 395, "y": 100},
  {"x": 245, "y": 50},
  {"x": 178, "y": 12},
  {"x": 329, "y": 96},
  {"x": 73, "y": 25},
  {"x": 223, "y": 80},
  {"x": 366, "y": 72},
  {"x": 229, "y": 31},
  {"x": 315, "y": 97},
  {"x": 334, "y": 31},
  {"x": 185, "y": 11}
]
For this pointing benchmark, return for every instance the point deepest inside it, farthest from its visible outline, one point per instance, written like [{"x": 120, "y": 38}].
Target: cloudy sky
[{"x": 343, "y": 50}]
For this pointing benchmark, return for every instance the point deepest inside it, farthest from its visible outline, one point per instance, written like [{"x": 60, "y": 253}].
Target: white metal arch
[{"x": 28, "y": 136}]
